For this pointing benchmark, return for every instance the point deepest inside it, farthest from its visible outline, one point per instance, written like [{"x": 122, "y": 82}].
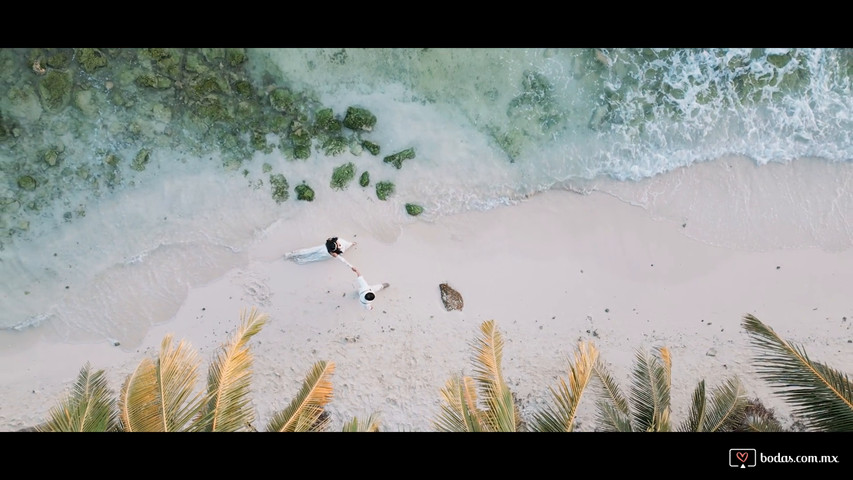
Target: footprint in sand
[{"x": 254, "y": 288}]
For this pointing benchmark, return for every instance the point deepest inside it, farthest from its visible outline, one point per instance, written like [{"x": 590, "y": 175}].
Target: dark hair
[
  {"x": 332, "y": 245},
  {"x": 369, "y": 296}
]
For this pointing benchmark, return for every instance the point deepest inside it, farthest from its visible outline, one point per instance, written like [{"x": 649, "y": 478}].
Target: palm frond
[
  {"x": 228, "y": 407},
  {"x": 561, "y": 416},
  {"x": 723, "y": 412},
  {"x": 613, "y": 413},
  {"x": 698, "y": 410},
  {"x": 758, "y": 418},
  {"x": 305, "y": 412},
  {"x": 459, "y": 411},
  {"x": 90, "y": 407},
  {"x": 177, "y": 372},
  {"x": 728, "y": 407},
  {"x": 501, "y": 413},
  {"x": 650, "y": 391},
  {"x": 358, "y": 425},
  {"x": 753, "y": 423},
  {"x": 139, "y": 400},
  {"x": 821, "y": 395}
]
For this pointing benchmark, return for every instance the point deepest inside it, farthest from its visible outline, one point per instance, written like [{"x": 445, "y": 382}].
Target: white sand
[{"x": 558, "y": 268}]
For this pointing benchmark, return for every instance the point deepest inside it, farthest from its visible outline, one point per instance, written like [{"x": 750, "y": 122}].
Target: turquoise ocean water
[{"x": 129, "y": 175}]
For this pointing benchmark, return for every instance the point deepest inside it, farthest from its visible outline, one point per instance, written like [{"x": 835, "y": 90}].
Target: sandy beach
[{"x": 555, "y": 269}]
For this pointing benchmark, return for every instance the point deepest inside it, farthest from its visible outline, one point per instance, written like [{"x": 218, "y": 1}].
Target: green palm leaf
[
  {"x": 228, "y": 406},
  {"x": 459, "y": 412},
  {"x": 753, "y": 423},
  {"x": 501, "y": 414},
  {"x": 650, "y": 389},
  {"x": 698, "y": 410},
  {"x": 139, "y": 404},
  {"x": 613, "y": 413},
  {"x": 821, "y": 395},
  {"x": 561, "y": 416},
  {"x": 724, "y": 412},
  {"x": 357, "y": 425},
  {"x": 305, "y": 412},
  {"x": 90, "y": 407}
]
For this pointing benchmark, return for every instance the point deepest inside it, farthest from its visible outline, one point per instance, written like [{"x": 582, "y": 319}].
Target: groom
[{"x": 367, "y": 293}]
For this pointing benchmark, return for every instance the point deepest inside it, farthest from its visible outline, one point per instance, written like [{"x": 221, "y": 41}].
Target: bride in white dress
[{"x": 333, "y": 248}]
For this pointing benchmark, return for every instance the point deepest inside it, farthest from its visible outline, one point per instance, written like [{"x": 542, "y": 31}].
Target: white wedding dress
[{"x": 315, "y": 254}]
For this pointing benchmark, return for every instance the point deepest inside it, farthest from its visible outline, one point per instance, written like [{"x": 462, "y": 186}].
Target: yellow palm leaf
[
  {"x": 228, "y": 406},
  {"x": 177, "y": 372},
  {"x": 561, "y": 417},
  {"x": 305, "y": 412},
  {"x": 501, "y": 413},
  {"x": 358, "y": 425},
  {"x": 139, "y": 408},
  {"x": 459, "y": 412},
  {"x": 89, "y": 407}
]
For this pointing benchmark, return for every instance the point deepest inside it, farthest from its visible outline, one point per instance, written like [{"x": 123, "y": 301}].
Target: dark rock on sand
[{"x": 451, "y": 298}]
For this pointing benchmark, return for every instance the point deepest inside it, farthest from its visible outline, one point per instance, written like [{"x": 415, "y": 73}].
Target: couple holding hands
[{"x": 334, "y": 248}]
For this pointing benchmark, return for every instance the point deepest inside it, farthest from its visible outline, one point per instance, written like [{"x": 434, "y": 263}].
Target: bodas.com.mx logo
[{"x": 742, "y": 457}]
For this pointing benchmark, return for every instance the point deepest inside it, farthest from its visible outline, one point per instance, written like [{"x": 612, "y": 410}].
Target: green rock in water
[
  {"x": 370, "y": 147},
  {"x": 334, "y": 146},
  {"x": 325, "y": 121},
  {"x": 258, "y": 140},
  {"x": 304, "y": 192},
  {"x": 141, "y": 160},
  {"x": 27, "y": 182},
  {"x": 151, "y": 80},
  {"x": 414, "y": 210},
  {"x": 279, "y": 187},
  {"x": 60, "y": 60},
  {"x": 55, "y": 90},
  {"x": 300, "y": 138},
  {"x": 282, "y": 99},
  {"x": 364, "y": 180},
  {"x": 244, "y": 88},
  {"x": 342, "y": 176},
  {"x": 359, "y": 119},
  {"x": 397, "y": 158},
  {"x": 301, "y": 151},
  {"x": 91, "y": 59},
  {"x": 235, "y": 56},
  {"x": 112, "y": 159},
  {"x": 384, "y": 189},
  {"x": 205, "y": 85},
  {"x": 52, "y": 156}
]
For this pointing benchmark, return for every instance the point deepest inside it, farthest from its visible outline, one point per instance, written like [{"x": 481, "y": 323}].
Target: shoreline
[{"x": 557, "y": 268}]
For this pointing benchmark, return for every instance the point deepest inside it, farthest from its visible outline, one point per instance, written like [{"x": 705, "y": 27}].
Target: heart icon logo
[{"x": 742, "y": 456}]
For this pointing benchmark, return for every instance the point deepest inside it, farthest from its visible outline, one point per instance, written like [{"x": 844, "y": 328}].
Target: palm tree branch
[
  {"x": 501, "y": 412},
  {"x": 613, "y": 412},
  {"x": 459, "y": 412},
  {"x": 89, "y": 407},
  {"x": 728, "y": 404},
  {"x": 698, "y": 411},
  {"x": 819, "y": 393},
  {"x": 359, "y": 425},
  {"x": 561, "y": 416},
  {"x": 177, "y": 372},
  {"x": 228, "y": 407},
  {"x": 308, "y": 405},
  {"x": 138, "y": 401}
]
